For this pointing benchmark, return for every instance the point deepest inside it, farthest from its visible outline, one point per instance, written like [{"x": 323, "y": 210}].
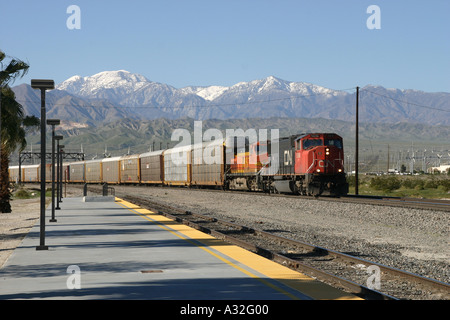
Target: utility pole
[
  {"x": 388, "y": 161},
  {"x": 357, "y": 142},
  {"x": 1, "y": 128}
]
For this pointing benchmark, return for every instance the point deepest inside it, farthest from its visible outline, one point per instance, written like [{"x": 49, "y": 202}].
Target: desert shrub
[
  {"x": 385, "y": 183},
  {"x": 22, "y": 193},
  {"x": 431, "y": 184},
  {"x": 413, "y": 183},
  {"x": 445, "y": 184},
  {"x": 419, "y": 185},
  {"x": 408, "y": 183},
  {"x": 351, "y": 180}
]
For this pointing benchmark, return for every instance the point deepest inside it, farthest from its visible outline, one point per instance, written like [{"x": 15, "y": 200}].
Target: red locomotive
[{"x": 308, "y": 164}]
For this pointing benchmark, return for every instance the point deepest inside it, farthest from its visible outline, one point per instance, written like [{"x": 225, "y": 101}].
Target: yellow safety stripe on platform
[
  {"x": 190, "y": 234},
  {"x": 293, "y": 279}
]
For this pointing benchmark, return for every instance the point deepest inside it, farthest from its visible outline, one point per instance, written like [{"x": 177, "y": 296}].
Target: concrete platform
[
  {"x": 99, "y": 199},
  {"x": 116, "y": 250}
]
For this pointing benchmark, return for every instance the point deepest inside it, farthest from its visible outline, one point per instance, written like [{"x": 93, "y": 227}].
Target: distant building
[{"x": 441, "y": 169}]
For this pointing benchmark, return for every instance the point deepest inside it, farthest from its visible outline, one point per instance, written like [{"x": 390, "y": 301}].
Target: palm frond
[{"x": 15, "y": 69}]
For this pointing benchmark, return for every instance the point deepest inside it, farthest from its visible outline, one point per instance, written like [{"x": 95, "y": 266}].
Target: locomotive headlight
[
  {"x": 339, "y": 170},
  {"x": 327, "y": 151},
  {"x": 318, "y": 170}
]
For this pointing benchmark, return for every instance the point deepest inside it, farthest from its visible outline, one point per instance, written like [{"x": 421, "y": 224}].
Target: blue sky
[{"x": 182, "y": 43}]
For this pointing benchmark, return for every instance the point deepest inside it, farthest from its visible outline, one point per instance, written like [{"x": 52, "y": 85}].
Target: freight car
[
  {"x": 77, "y": 172},
  {"x": 177, "y": 166},
  {"x": 93, "y": 171},
  {"x": 111, "y": 170},
  {"x": 207, "y": 161},
  {"x": 152, "y": 167},
  {"x": 307, "y": 164},
  {"x": 130, "y": 169},
  {"x": 13, "y": 173}
]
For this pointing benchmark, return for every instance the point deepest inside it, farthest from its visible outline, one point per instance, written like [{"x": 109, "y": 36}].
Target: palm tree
[{"x": 12, "y": 122}]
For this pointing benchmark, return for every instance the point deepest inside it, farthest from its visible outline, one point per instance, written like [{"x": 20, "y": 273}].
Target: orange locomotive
[{"x": 309, "y": 164}]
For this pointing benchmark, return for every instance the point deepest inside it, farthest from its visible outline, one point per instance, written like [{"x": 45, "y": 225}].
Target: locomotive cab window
[
  {"x": 334, "y": 142},
  {"x": 311, "y": 143}
]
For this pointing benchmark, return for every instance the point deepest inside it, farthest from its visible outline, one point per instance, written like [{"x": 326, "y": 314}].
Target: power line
[{"x": 406, "y": 102}]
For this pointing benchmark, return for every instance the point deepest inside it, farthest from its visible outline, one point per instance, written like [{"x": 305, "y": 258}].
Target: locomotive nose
[{"x": 329, "y": 160}]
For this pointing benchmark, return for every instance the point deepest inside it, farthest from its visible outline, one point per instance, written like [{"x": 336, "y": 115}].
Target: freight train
[{"x": 306, "y": 164}]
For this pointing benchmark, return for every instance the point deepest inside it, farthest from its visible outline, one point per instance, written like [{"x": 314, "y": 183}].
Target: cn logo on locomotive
[
  {"x": 326, "y": 164},
  {"x": 287, "y": 157}
]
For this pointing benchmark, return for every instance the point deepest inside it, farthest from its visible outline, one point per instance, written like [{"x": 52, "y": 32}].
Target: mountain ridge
[{"x": 112, "y": 95}]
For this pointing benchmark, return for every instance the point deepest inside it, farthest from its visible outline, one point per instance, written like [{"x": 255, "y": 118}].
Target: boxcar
[
  {"x": 48, "y": 172},
  {"x": 31, "y": 173},
  {"x": 66, "y": 172},
  {"x": 152, "y": 167},
  {"x": 77, "y": 172},
  {"x": 93, "y": 169},
  {"x": 111, "y": 170},
  {"x": 14, "y": 174},
  {"x": 207, "y": 161},
  {"x": 177, "y": 166},
  {"x": 129, "y": 169}
]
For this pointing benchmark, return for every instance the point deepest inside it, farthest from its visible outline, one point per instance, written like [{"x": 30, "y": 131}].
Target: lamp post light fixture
[
  {"x": 53, "y": 123},
  {"x": 42, "y": 85}
]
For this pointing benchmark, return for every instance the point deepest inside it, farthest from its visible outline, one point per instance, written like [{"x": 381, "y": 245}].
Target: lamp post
[
  {"x": 42, "y": 85},
  {"x": 357, "y": 144},
  {"x": 58, "y": 138},
  {"x": 61, "y": 154},
  {"x": 1, "y": 128},
  {"x": 53, "y": 123}
]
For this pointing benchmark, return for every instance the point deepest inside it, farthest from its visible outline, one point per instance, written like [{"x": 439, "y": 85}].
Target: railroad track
[
  {"x": 338, "y": 269},
  {"x": 412, "y": 203}
]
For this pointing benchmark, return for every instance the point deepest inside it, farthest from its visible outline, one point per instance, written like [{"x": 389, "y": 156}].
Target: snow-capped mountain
[
  {"x": 122, "y": 82},
  {"x": 208, "y": 93},
  {"x": 118, "y": 86},
  {"x": 110, "y": 95}
]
